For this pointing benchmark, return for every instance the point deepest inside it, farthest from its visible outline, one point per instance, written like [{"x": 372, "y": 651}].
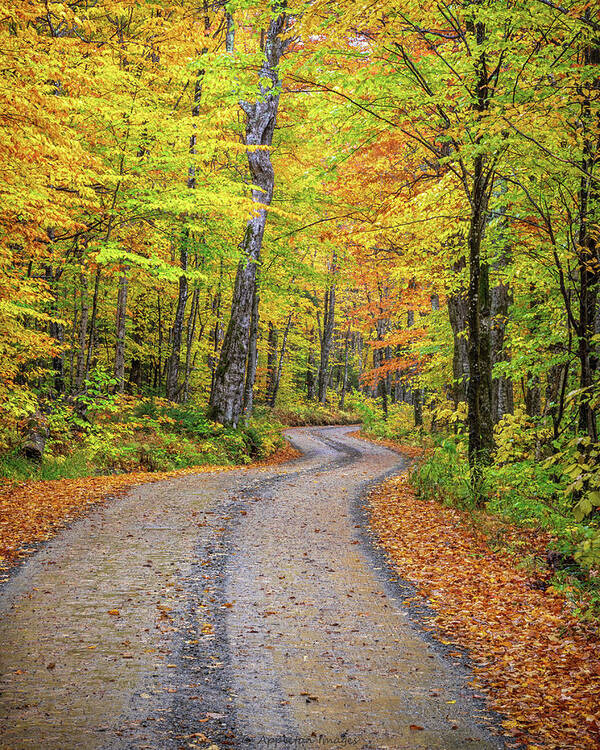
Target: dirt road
[{"x": 246, "y": 609}]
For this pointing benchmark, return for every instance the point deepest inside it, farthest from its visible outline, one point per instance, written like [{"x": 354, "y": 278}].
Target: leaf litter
[{"x": 538, "y": 663}]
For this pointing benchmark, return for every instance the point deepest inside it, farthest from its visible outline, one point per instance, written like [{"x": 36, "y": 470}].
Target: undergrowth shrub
[
  {"x": 298, "y": 412},
  {"x": 128, "y": 435},
  {"x": 444, "y": 474}
]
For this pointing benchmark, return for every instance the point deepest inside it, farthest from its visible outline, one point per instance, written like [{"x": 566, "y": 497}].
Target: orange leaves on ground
[
  {"x": 284, "y": 454},
  {"x": 540, "y": 665},
  {"x": 412, "y": 451},
  {"x": 33, "y": 511}
]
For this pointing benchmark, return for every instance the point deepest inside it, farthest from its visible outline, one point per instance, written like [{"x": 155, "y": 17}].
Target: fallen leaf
[{"x": 540, "y": 662}]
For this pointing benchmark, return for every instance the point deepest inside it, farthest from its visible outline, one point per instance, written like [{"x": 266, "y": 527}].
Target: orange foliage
[{"x": 538, "y": 662}]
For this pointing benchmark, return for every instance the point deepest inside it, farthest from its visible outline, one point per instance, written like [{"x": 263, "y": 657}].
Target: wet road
[{"x": 244, "y": 609}]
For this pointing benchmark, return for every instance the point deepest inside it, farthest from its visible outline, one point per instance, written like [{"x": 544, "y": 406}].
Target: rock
[{"x": 35, "y": 437}]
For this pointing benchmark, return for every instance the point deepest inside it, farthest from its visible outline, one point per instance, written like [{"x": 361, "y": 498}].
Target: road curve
[{"x": 244, "y": 608}]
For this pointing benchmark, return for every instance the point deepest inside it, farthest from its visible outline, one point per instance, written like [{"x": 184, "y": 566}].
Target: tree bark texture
[
  {"x": 479, "y": 390},
  {"x": 345, "y": 375},
  {"x": 458, "y": 312},
  {"x": 277, "y": 378},
  {"x": 310, "y": 375},
  {"x": 502, "y": 387},
  {"x": 191, "y": 330},
  {"x": 271, "y": 360},
  {"x": 227, "y": 397},
  {"x": 81, "y": 338},
  {"x": 589, "y": 260}
]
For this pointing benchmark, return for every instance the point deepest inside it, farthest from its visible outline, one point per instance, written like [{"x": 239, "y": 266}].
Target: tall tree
[{"x": 227, "y": 395}]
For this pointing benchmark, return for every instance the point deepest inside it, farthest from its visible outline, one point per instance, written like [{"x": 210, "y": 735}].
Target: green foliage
[
  {"x": 296, "y": 411},
  {"x": 149, "y": 435},
  {"x": 399, "y": 424},
  {"x": 445, "y": 474},
  {"x": 16, "y": 467},
  {"x": 579, "y": 464},
  {"x": 523, "y": 491},
  {"x": 191, "y": 421}
]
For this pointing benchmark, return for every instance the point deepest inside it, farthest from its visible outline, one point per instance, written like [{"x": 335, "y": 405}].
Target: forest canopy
[{"x": 215, "y": 209}]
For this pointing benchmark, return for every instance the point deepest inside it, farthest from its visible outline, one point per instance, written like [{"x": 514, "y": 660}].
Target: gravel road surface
[{"x": 242, "y": 609}]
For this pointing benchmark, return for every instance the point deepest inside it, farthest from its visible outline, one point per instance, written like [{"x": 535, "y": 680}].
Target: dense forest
[{"x": 217, "y": 215}]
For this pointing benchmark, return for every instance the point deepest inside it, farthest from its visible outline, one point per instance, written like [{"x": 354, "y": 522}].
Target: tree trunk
[
  {"x": 277, "y": 379},
  {"x": 479, "y": 390},
  {"x": 533, "y": 397},
  {"x": 384, "y": 398},
  {"x": 271, "y": 361},
  {"x": 177, "y": 330},
  {"x": 252, "y": 354},
  {"x": 345, "y": 376},
  {"x": 418, "y": 407},
  {"x": 589, "y": 262},
  {"x": 55, "y": 327},
  {"x": 458, "y": 313},
  {"x": 216, "y": 332},
  {"x": 417, "y": 392},
  {"x": 191, "y": 330},
  {"x": 502, "y": 387},
  {"x": 92, "y": 332},
  {"x": 556, "y": 386},
  {"x": 226, "y": 403},
  {"x": 327, "y": 335},
  {"x": 74, "y": 335},
  {"x": 310, "y": 375},
  {"x": 119, "y": 369},
  {"x": 80, "y": 368}
]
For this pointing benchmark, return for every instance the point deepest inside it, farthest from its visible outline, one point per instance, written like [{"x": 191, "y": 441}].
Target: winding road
[{"x": 242, "y": 609}]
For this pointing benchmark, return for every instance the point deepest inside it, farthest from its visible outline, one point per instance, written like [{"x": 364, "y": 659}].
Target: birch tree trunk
[{"x": 227, "y": 396}]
